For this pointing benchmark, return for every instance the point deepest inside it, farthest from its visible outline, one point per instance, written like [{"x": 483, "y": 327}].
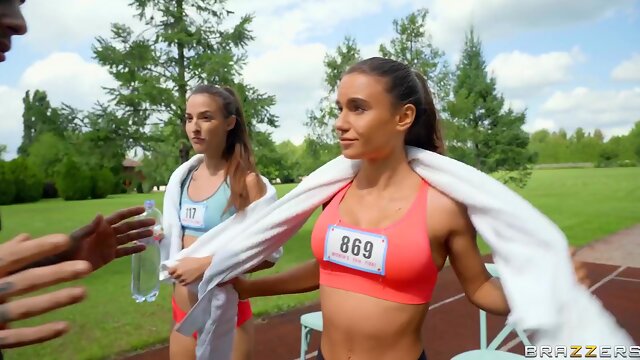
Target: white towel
[
  {"x": 207, "y": 244},
  {"x": 530, "y": 252}
]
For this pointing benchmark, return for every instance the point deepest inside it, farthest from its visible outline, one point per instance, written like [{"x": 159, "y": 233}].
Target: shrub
[
  {"x": 102, "y": 183},
  {"x": 7, "y": 184},
  {"x": 27, "y": 179},
  {"x": 627, "y": 163},
  {"x": 49, "y": 190},
  {"x": 73, "y": 181}
]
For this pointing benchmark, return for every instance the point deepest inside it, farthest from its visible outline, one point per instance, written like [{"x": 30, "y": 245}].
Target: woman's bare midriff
[
  {"x": 184, "y": 298},
  {"x": 359, "y": 327}
]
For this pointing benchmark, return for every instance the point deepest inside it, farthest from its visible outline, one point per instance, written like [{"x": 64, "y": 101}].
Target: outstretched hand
[
  {"x": 105, "y": 239},
  {"x": 16, "y": 254}
]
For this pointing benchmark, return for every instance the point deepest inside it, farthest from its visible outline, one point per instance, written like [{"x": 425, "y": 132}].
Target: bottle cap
[{"x": 149, "y": 204}]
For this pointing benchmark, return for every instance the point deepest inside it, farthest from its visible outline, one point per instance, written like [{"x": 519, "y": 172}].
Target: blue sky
[{"x": 570, "y": 64}]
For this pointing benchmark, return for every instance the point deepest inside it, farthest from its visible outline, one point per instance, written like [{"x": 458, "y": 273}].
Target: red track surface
[{"x": 452, "y": 324}]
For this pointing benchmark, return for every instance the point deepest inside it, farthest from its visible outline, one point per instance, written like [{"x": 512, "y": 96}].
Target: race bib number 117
[{"x": 193, "y": 215}]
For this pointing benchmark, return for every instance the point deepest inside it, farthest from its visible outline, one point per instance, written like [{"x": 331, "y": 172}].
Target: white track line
[
  {"x": 309, "y": 355},
  {"x": 512, "y": 343},
  {"x": 516, "y": 341},
  {"x": 453, "y": 298},
  {"x": 625, "y": 279},
  {"x": 607, "y": 278}
]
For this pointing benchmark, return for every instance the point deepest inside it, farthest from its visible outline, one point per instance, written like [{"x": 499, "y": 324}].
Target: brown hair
[
  {"x": 408, "y": 86},
  {"x": 237, "y": 151}
]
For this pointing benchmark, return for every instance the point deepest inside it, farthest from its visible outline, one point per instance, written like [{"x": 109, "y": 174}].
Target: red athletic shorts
[{"x": 244, "y": 313}]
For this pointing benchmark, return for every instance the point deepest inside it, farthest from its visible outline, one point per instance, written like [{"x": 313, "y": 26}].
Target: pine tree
[
  {"x": 483, "y": 133},
  {"x": 185, "y": 42}
]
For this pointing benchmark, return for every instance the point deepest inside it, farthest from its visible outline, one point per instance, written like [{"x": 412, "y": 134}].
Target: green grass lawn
[{"x": 586, "y": 203}]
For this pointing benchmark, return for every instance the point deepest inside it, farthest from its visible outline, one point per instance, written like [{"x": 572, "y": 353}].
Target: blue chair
[
  {"x": 490, "y": 352},
  {"x": 310, "y": 321}
]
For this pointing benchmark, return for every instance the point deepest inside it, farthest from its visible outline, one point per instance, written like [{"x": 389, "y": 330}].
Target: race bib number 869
[{"x": 356, "y": 249}]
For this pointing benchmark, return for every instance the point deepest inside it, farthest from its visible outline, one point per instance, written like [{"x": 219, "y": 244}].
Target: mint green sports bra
[{"x": 198, "y": 217}]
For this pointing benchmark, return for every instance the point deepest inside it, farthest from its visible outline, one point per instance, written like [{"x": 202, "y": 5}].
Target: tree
[
  {"x": 291, "y": 169},
  {"x": 634, "y": 139},
  {"x": 268, "y": 160},
  {"x": 7, "y": 183},
  {"x": 185, "y": 42},
  {"x": 73, "y": 180},
  {"x": 40, "y": 117},
  {"x": 161, "y": 159},
  {"x": 579, "y": 135},
  {"x": 598, "y": 135},
  {"x": 28, "y": 181},
  {"x": 413, "y": 46},
  {"x": 320, "y": 121},
  {"x": 3, "y": 151},
  {"x": 102, "y": 183},
  {"x": 486, "y": 135},
  {"x": 46, "y": 153}
]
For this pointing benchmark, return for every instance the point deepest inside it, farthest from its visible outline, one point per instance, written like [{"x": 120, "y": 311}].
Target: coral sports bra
[{"x": 392, "y": 263}]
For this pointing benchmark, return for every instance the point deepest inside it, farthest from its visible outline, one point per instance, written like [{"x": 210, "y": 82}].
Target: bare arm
[
  {"x": 300, "y": 279},
  {"x": 480, "y": 288}
]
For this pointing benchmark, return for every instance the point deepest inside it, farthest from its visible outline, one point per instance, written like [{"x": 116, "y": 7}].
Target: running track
[{"x": 452, "y": 324}]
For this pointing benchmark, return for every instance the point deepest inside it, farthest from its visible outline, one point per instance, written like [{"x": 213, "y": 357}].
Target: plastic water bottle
[{"x": 145, "y": 265}]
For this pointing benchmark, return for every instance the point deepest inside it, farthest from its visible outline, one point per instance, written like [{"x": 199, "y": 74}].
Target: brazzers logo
[{"x": 580, "y": 351}]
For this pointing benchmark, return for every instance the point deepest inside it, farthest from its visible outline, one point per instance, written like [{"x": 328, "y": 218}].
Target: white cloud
[
  {"x": 610, "y": 111},
  {"x": 66, "y": 77},
  {"x": 516, "y": 104},
  {"x": 521, "y": 73},
  {"x": 502, "y": 18},
  {"x": 628, "y": 70},
  {"x": 294, "y": 74},
  {"x": 53, "y": 25},
  {"x": 10, "y": 119},
  {"x": 284, "y": 22},
  {"x": 539, "y": 124}
]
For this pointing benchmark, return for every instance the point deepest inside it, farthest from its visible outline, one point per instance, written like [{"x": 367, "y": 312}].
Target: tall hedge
[
  {"x": 29, "y": 181},
  {"x": 102, "y": 183},
  {"x": 73, "y": 180},
  {"x": 7, "y": 184}
]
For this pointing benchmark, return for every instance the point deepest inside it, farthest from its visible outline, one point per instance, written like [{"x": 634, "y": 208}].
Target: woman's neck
[
  {"x": 383, "y": 173},
  {"x": 213, "y": 165}
]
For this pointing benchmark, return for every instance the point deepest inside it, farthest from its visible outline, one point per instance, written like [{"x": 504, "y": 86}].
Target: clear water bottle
[{"x": 145, "y": 265}]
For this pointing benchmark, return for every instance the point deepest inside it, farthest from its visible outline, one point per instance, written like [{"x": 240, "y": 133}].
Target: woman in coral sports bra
[
  {"x": 225, "y": 182},
  {"x": 381, "y": 241}
]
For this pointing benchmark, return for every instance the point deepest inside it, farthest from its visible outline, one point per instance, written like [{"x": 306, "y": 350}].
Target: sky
[{"x": 568, "y": 64}]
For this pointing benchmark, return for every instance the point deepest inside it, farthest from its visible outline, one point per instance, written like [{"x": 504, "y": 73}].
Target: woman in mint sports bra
[{"x": 225, "y": 182}]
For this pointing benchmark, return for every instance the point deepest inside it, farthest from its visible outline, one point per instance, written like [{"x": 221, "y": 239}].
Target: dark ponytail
[
  {"x": 426, "y": 124},
  {"x": 407, "y": 86},
  {"x": 237, "y": 151}
]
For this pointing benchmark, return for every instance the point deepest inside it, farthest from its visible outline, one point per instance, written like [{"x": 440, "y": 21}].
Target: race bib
[
  {"x": 356, "y": 249},
  {"x": 192, "y": 215}
]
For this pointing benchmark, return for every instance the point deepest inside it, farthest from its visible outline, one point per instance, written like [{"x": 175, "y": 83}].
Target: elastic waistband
[{"x": 422, "y": 356}]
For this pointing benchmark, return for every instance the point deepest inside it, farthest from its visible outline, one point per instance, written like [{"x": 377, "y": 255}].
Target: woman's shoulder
[
  {"x": 446, "y": 208},
  {"x": 255, "y": 186}
]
